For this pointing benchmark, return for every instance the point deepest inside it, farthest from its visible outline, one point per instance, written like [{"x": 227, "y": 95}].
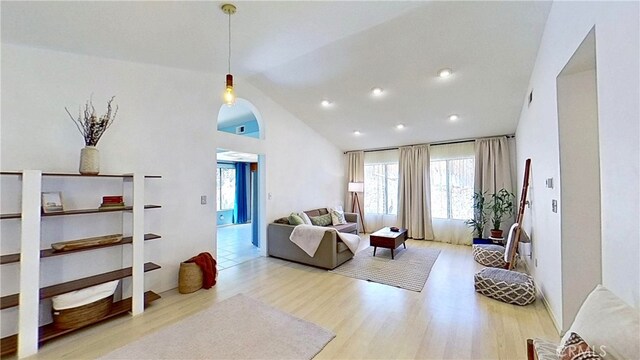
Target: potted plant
[
  {"x": 501, "y": 205},
  {"x": 479, "y": 215}
]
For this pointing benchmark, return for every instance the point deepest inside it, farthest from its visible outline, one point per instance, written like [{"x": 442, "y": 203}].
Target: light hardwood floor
[{"x": 447, "y": 320}]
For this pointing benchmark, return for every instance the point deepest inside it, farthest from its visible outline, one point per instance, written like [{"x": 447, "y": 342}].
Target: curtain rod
[{"x": 458, "y": 141}]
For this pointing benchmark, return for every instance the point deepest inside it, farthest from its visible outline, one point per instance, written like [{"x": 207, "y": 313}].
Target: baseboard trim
[
  {"x": 543, "y": 298},
  {"x": 548, "y": 307}
]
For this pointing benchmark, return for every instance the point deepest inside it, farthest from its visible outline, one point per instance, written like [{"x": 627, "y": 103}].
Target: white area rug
[
  {"x": 409, "y": 270},
  {"x": 236, "y": 328}
]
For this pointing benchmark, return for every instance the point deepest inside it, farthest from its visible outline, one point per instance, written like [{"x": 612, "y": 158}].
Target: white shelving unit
[{"x": 30, "y": 334}]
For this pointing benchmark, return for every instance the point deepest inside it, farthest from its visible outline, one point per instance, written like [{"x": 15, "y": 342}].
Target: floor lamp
[{"x": 354, "y": 188}]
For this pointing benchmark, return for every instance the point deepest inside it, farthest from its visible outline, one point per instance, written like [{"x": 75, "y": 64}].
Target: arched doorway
[
  {"x": 239, "y": 184},
  {"x": 240, "y": 119}
]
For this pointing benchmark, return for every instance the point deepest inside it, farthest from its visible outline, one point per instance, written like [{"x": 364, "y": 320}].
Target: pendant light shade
[{"x": 229, "y": 96}]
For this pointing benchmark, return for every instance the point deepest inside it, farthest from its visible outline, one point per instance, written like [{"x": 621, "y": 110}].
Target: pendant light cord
[{"x": 229, "y": 62}]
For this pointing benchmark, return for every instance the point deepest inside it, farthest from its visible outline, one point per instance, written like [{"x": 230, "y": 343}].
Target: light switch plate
[
  {"x": 549, "y": 183},
  {"x": 203, "y": 199},
  {"x": 554, "y": 206}
]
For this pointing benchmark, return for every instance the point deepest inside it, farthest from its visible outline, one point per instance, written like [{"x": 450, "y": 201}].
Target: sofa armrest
[
  {"x": 531, "y": 351},
  {"x": 351, "y": 217}
]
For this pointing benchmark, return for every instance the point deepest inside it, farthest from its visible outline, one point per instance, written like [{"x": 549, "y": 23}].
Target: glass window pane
[
  {"x": 461, "y": 173},
  {"x": 374, "y": 188},
  {"x": 218, "y": 189},
  {"x": 227, "y": 188},
  {"x": 439, "y": 189},
  {"x": 392, "y": 189}
]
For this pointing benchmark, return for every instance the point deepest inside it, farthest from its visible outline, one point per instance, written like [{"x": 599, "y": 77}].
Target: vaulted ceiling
[{"x": 300, "y": 53}]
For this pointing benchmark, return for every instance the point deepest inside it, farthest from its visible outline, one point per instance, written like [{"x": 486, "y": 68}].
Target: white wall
[
  {"x": 617, "y": 58},
  {"x": 166, "y": 125},
  {"x": 579, "y": 189}
]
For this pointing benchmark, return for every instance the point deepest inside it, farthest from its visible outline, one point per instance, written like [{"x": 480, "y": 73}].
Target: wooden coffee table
[{"x": 385, "y": 238}]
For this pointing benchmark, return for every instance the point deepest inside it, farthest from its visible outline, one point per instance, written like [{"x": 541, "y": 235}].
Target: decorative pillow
[
  {"x": 294, "y": 219},
  {"x": 337, "y": 217},
  {"x": 577, "y": 349},
  {"x": 305, "y": 218},
  {"x": 608, "y": 324},
  {"x": 322, "y": 220},
  {"x": 282, "y": 220}
]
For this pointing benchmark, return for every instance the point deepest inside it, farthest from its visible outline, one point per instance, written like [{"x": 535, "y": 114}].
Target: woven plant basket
[
  {"x": 82, "y": 315},
  {"x": 189, "y": 278}
]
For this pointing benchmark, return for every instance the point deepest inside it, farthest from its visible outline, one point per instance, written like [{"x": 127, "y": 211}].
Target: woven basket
[
  {"x": 82, "y": 315},
  {"x": 189, "y": 278}
]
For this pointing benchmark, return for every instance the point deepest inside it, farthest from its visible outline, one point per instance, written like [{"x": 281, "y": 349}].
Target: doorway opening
[
  {"x": 580, "y": 219},
  {"x": 236, "y": 207}
]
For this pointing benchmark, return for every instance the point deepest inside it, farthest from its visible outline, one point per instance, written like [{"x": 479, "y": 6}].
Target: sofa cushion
[
  {"x": 294, "y": 219},
  {"x": 545, "y": 350},
  {"x": 346, "y": 228},
  {"x": 311, "y": 213},
  {"x": 337, "y": 217},
  {"x": 305, "y": 218},
  {"x": 322, "y": 220},
  {"x": 578, "y": 349},
  {"x": 608, "y": 324}
]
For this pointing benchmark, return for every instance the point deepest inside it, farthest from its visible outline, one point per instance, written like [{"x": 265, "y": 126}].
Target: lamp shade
[{"x": 356, "y": 187}]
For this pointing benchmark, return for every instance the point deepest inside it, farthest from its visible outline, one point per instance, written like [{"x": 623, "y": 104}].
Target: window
[
  {"x": 452, "y": 188},
  {"x": 381, "y": 188},
  {"x": 226, "y": 194}
]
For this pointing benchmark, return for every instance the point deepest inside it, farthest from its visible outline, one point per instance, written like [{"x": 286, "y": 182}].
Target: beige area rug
[
  {"x": 236, "y": 328},
  {"x": 409, "y": 270}
]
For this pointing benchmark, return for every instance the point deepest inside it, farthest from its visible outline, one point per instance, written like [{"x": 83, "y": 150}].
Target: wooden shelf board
[
  {"x": 62, "y": 288},
  {"x": 9, "y": 344},
  {"x": 12, "y": 258},
  {"x": 78, "y": 212},
  {"x": 80, "y": 175},
  {"x": 9, "y": 258}
]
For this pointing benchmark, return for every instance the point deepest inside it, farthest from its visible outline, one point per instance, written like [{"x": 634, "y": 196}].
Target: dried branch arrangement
[{"x": 90, "y": 125}]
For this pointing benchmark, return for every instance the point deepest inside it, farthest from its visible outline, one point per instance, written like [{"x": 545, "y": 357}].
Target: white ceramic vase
[{"x": 89, "y": 161}]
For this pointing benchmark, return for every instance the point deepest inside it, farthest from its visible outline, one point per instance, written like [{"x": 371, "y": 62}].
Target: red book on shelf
[{"x": 112, "y": 199}]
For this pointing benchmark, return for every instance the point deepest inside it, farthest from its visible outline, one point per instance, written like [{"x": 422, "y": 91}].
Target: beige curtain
[
  {"x": 414, "y": 195},
  {"x": 493, "y": 169},
  {"x": 355, "y": 173}
]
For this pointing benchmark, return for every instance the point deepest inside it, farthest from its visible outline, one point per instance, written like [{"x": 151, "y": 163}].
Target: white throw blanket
[
  {"x": 351, "y": 240},
  {"x": 308, "y": 238}
]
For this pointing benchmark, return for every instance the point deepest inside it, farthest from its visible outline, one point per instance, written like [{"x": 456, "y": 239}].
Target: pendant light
[{"x": 229, "y": 96}]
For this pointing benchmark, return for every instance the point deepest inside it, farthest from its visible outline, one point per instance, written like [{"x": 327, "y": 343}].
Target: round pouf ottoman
[
  {"x": 489, "y": 255},
  {"x": 505, "y": 285}
]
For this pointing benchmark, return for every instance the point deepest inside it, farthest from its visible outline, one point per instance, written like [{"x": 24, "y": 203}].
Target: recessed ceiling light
[
  {"x": 400, "y": 126},
  {"x": 445, "y": 73},
  {"x": 356, "y": 132},
  {"x": 377, "y": 91},
  {"x": 326, "y": 103},
  {"x": 453, "y": 117}
]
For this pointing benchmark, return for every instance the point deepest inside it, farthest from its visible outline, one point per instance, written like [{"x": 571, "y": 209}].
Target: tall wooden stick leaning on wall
[{"x": 520, "y": 217}]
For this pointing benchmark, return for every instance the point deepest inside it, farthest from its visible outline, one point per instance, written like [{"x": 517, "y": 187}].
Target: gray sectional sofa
[{"x": 331, "y": 253}]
